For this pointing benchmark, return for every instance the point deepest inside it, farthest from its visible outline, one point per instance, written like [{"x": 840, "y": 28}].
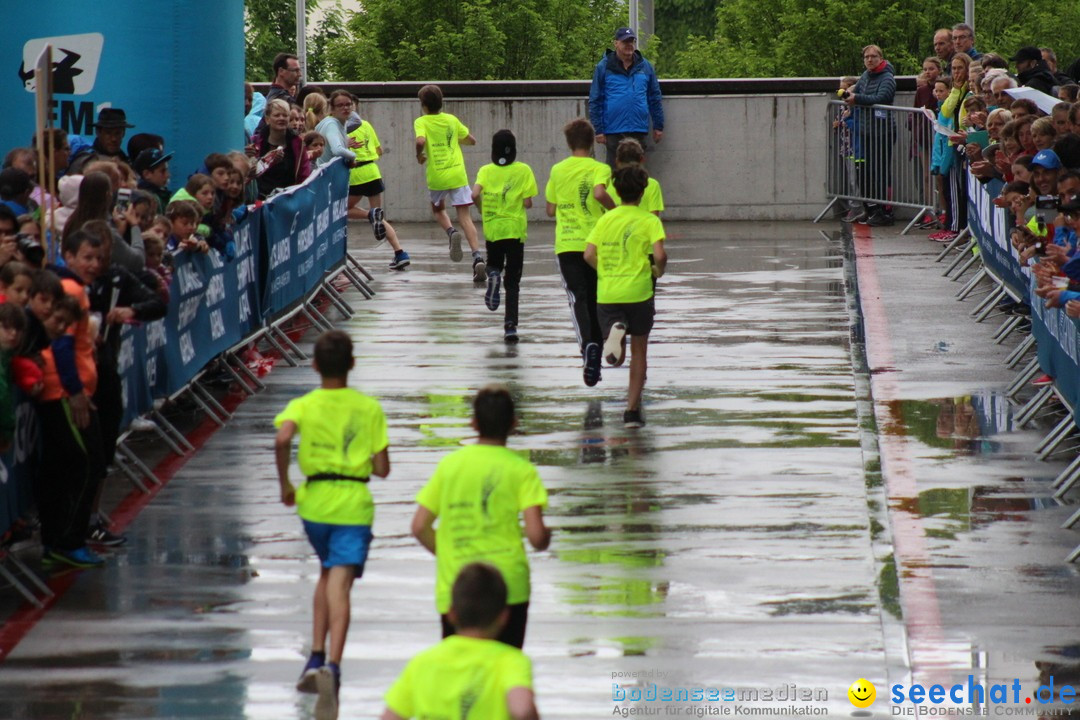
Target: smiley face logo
[{"x": 861, "y": 693}]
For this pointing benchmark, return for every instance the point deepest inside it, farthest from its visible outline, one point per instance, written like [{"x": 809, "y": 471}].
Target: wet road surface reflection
[{"x": 727, "y": 544}]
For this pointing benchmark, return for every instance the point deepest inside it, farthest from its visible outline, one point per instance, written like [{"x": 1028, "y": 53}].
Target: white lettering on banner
[
  {"x": 124, "y": 393},
  {"x": 341, "y": 208},
  {"x": 215, "y": 260},
  {"x": 281, "y": 281},
  {"x": 245, "y": 272},
  {"x": 126, "y": 357},
  {"x": 217, "y": 325},
  {"x": 322, "y": 221},
  {"x": 323, "y": 248},
  {"x": 339, "y": 235},
  {"x": 1070, "y": 336},
  {"x": 187, "y": 349},
  {"x": 305, "y": 239},
  {"x": 215, "y": 293},
  {"x": 189, "y": 279},
  {"x": 155, "y": 336},
  {"x": 151, "y": 371},
  {"x": 243, "y": 240},
  {"x": 245, "y": 309},
  {"x": 305, "y": 267},
  {"x": 188, "y": 310},
  {"x": 280, "y": 252}
]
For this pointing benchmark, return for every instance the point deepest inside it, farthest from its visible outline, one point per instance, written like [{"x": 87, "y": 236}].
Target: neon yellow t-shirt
[
  {"x": 445, "y": 163},
  {"x": 477, "y": 493},
  {"x": 340, "y": 431},
  {"x": 504, "y": 189},
  {"x": 570, "y": 189},
  {"x": 651, "y": 201},
  {"x": 460, "y": 678},
  {"x": 624, "y": 238},
  {"x": 366, "y": 153}
]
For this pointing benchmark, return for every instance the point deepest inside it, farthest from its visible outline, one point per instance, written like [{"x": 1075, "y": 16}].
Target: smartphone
[{"x": 123, "y": 199}]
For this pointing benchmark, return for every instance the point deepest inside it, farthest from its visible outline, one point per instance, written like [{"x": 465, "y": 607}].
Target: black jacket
[
  {"x": 130, "y": 292},
  {"x": 1038, "y": 78}
]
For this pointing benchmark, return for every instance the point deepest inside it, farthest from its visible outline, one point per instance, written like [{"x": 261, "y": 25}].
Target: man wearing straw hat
[{"x": 110, "y": 128}]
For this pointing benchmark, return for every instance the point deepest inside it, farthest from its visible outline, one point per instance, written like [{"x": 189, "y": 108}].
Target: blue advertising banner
[
  {"x": 17, "y": 465},
  {"x": 1055, "y": 335},
  {"x": 176, "y": 69},
  {"x": 305, "y": 231},
  {"x": 990, "y": 227}
]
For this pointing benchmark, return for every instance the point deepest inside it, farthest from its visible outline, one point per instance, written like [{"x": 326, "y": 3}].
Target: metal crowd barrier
[{"x": 879, "y": 154}]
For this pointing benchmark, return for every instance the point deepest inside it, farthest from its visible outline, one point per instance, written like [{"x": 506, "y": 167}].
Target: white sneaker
[
  {"x": 326, "y": 707},
  {"x": 615, "y": 345},
  {"x": 142, "y": 424}
]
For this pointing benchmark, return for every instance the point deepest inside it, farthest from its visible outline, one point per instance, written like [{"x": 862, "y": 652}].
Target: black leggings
[
  {"x": 65, "y": 485},
  {"x": 579, "y": 281},
  {"x": 508, "y": 257}
]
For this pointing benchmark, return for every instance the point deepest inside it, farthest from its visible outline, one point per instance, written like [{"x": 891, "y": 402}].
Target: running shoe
[
  {"x": 378, "y": 225},
  {"x": 82, "y": 557},
  {"x": 510, "y": 333},
  {"x": 494, "y": 284},
  {"x": 943, "y": 236},
  {"x": 308, "y": 677},
  {"x": 615, "y": 345},
  {"x": 591, "y": 372},
  {"x": 455, "y": 245},
  {"x": 400, "y": 261},
  {"x": 880, "y": 219},
  {"x": 856, "y": 215},
  {"x": 1043, "y": 380},
  {"x": 99, "y": 535},
  {"x": 328, "y": 683},
  {"x": 632, "y": 419},
  {"x": 479, "y": 269}
]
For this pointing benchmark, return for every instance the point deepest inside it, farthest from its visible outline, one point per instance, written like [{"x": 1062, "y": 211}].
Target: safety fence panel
[
  {"x": 880, "y": 154},
  {"x": 213, "y": 306},
  {"x": 990, "y": 227},
  {"x": 1055, "y": 337}
]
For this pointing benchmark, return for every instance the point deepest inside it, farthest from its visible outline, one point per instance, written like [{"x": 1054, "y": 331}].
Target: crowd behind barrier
[{"x": 284, "y": 248}]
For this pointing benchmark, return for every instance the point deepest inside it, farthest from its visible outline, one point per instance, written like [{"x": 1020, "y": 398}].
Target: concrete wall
[{"x": 732, "y": 157}]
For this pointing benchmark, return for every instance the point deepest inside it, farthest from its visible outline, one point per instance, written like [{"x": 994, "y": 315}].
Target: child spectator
[
  {"x": 620, "y": 247},
  {"x": 942, "y": 159},
  {"x": 1043, "y": 133},
  {"x": 218, "y": 166},
  {"x": 477, "y": 494},
  {"x": 629, "y": 152},
  {"x": 504, "y": 189},
  {"x": 152, "y": 167},
  {"x": 576, "y": 197},
  {"x": 365, "y": 180},
  {"x": 45, "y": 290},
  {"x": 162, "y": 226},
  {"x": 183, "y": 216},
  {"x": 439, "y": 137},
  {"x": 470, "y": 669},
  {"x": 1021, "y": 168},
  {"x": 16, "y": 279},
  {"x": 12, "y": 326},
  {"x": 314, "y": 144},
  {"x": 343, "y": 441},
  {"x": 155, "y": 251}
]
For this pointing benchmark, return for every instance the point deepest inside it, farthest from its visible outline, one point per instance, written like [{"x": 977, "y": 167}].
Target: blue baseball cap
[
  {"x": 1047, "y": 159},
  {"x": 625, "y": 33}
]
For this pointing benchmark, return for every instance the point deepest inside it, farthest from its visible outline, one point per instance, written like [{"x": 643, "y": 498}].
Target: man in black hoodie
[{"x": 1032, "y": 71}]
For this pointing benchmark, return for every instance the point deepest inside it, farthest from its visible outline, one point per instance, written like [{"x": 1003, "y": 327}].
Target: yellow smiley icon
[{"x": 861, "y": 693}]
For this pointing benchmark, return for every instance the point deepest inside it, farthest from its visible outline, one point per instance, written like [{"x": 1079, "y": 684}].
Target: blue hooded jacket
[{"x": 623, "y": 101}]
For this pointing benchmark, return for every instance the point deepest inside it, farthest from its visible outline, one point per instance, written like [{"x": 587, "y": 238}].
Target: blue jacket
[{"x": 621, "y": 100}]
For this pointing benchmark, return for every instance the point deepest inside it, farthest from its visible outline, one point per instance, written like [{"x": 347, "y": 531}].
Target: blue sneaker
[
  {"x": 494, "y": 284},
  {"x": 308, "y": 677},
  {"x": 79, "y": 557},
  {"x": 591, "y": 373},
  {"x": 400, "y": 261},
  {"x": 328, "y": 680}
]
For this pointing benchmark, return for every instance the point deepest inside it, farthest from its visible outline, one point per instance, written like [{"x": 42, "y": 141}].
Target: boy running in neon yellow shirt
[
  {"x": 629, "y": 152},
  {"x": 439, "y": 137},
  {"x": 365, "y": 180},
  {"x": 576, "y": 198},
  {"x": 476, "y": 494},
  {"x": 343, "y": 441},
  {"x": 504, "y": 189},
  {"x": 469, "y": 675},
  {"x": 619, "y": 247}
]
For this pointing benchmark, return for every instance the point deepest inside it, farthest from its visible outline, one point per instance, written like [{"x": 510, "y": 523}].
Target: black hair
[
  {"x": 630, "y": 182},
  {"x": 46, "y": 282},
  {"x": 12, "y": 316},
  {"x": 334, "y": 354},
  {"x": 143, "y": 141},
  {"x": 478, "y": 596},
  {"x": 1067, "y": 148},
  {"x": 6, "y": 213},
  {"x": 139, "y": 197},
  {"x": 13, "y": 183},
  {"x": 281, "y": 60},
  {"x": 493, "y": 408},
  {"x": 1016, "y": 186},
  {"x": 69, "y": 304},
  {"x": 14, "y": 269},
  {"x": 73, "y": 242}
]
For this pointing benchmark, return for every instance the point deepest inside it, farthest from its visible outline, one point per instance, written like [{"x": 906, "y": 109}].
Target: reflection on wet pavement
[{"x": 728, "y": 543}]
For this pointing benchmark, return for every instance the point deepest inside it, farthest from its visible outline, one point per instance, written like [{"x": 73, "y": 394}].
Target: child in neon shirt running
[
  {"x": 476, "y": 494},
  {"x": 629, "y": 152},
  {"x": 343, "y": 441}
]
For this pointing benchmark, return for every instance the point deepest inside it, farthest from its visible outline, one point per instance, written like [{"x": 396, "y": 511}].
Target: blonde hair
[
  {"x": 1043, "y": 126},
  {"x": 276, "y": 104},
  {"x": 314, "y": 109}
]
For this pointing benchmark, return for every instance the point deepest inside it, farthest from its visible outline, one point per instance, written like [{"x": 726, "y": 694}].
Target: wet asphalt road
[{"x": 729, "y": 543}]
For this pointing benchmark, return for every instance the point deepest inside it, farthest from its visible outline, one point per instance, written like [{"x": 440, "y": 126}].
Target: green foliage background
[{"x": 562, "y": 39}]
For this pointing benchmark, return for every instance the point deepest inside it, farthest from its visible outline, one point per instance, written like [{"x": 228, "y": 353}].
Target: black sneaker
[
  {"x": 378, "y": 225},
  {"x": 880, "y": 219},
  {"x": 510, "y": 333},
  {"x": 479, "y": 269},
  {"x": 591, "y": 373},
  {"x": 633, "y": 419},
  {"x": 494, "y": 284},
  {"x": 615, "y": 345},
  {"x": 99, "y": 535},
  {"x": 455, "y": 245}
]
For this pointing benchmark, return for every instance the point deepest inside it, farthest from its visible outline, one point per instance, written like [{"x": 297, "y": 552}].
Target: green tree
[
  {"x": 270, "y": 28},
  {"x": 675, "y": 22},
  {"x": 473, "y": 39}
]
